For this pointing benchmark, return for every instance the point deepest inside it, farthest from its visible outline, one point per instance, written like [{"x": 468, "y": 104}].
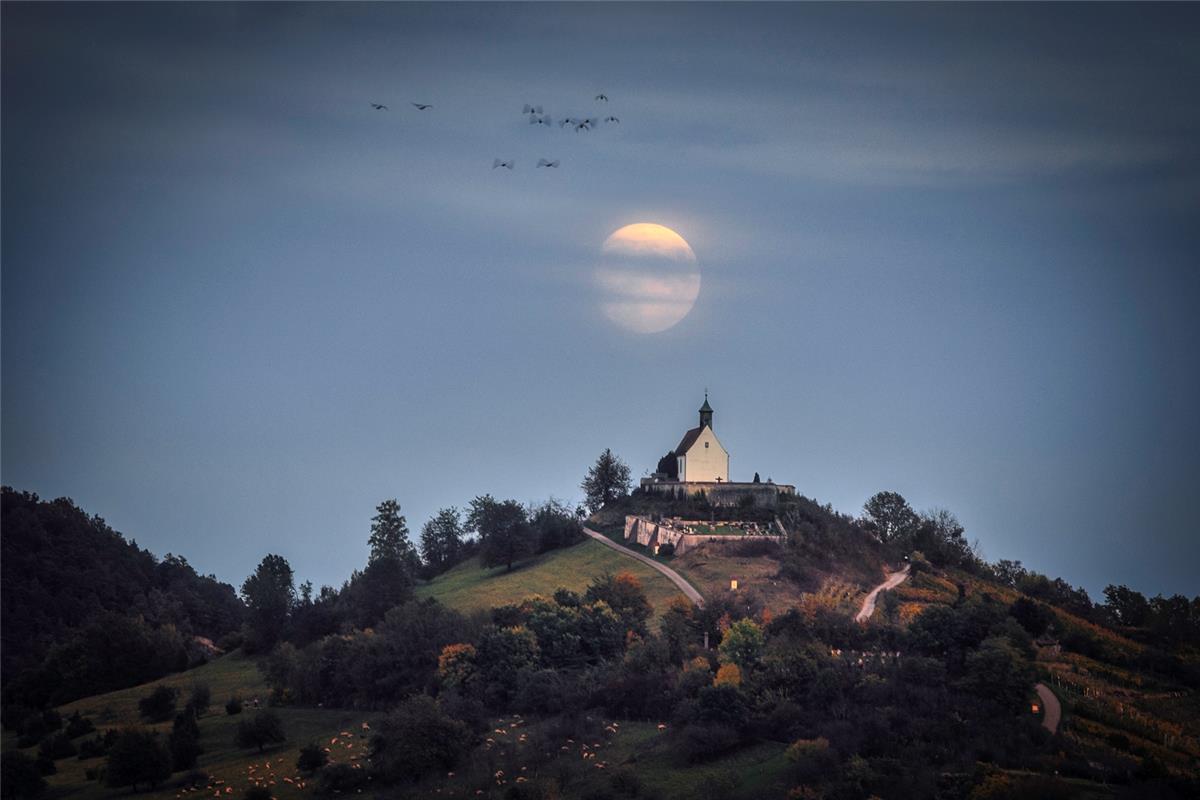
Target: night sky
[{"x": 952, "y": 251}]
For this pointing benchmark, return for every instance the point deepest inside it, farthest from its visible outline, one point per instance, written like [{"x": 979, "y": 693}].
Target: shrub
[
  {"x": 45, "y": 765},
  {"x": 92, "y": 748},
  {"x": 233, "y": 706},
  {"x": 56, "y": 746},
  {"x": 340, "y": 778},
  {"x": 137, "y": 756},
  {"x": 262, "y": 729},
  {"x": 312, "y": 758},
  {"x": 702, "y": 742},
  {"x": 159, "y": 705},
  {"x": 200, "y": 699},
  {"x": 666, "y": 550},
  {"x": 93, "y": 773},
  {"x": 78, "y": 726},
  {"x": 257, "y": 792},
  {"x": 415, "y": 739},
  {"x": 184, "y": 741},
  {"x": 19, "y": 776}
]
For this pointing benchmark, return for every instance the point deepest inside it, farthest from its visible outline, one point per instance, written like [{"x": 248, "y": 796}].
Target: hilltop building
[
  {"x": 700, "y": 463},
  {"x": 700, "y": 456}
]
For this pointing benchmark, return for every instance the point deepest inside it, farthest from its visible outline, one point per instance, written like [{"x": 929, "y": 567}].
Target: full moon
[{"x": 648, "y": 278}]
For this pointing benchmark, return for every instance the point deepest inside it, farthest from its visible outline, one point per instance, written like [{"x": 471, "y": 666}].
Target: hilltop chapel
[
  {"x": 700, "y": 463},
  {"x": 700, "y": 456}
]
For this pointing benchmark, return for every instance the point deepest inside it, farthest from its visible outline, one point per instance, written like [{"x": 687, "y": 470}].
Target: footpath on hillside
[
  {"x": 868, "y": 605},
  {"x": 688, "y": 590}
]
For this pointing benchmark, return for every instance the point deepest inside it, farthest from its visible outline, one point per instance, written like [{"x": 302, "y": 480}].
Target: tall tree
[
  {"x": 389, "y": 536},
  {"x": 442, "y": 539},
  {"x": 269, "y": 594},
  {"x": 607, "y": 480},
  {"x": 892, "y": 515},
  {"x": 504, "y": 531}
]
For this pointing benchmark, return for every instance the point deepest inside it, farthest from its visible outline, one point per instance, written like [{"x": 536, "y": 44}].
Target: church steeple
[{"x": 706, "y": 413}]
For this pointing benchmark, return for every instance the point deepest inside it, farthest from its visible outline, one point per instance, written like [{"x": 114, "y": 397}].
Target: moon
[{"x": 648, "y": 277}]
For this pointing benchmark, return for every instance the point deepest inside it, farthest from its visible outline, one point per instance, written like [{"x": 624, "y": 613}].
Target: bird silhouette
[
  {"x": 379, "y": 106},
  {"x": 422, "y": 106},
  {"x": 602, "y": 97},
  {"x": 501, "y": 163},
  {"x": 536, "y": 120},
  {"x": 585, "y": 124},
  {"x": 612, "y": 119},
  {"x": 544, "y": 163},
  {"x": 531, "y": 109}
]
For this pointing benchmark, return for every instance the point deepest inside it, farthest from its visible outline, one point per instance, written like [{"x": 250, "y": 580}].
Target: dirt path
[
  {"x": 1053, "y": 708},
  {"x": 868, "y": 606},
  {"x": 675, "y": 578}
]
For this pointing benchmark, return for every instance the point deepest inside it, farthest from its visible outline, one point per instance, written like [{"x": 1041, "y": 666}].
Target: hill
[
  {"x": 69, "y": 582},
  {"x": 469, "y": 587}
]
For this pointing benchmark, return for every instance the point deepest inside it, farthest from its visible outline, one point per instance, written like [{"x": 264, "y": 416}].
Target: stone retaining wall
[{"x": 648, "y": 534}]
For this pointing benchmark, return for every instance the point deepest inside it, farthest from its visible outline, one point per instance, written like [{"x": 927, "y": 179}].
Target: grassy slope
[
  {"x": 225, "y": 676},
  {"x": 469, "y": 587}
]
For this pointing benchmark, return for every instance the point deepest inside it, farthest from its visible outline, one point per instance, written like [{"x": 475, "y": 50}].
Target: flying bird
[
  {"x": 536, "y": 120},
  {"x": 584, "y": 124},
  {"x": 531, "y": 109},
  {"x": 379, "y": 106},
  {"x": 501, "y": 163},
  {"x": 602, "y": 97},
  {"x": 422, "y": 106},
  {"x": 544, "y": 163},
  {"x": 612, "y": 119}
]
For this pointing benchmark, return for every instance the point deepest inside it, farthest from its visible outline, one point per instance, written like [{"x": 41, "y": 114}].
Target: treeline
[
  {"x": 499, "y": 532},
  {"x": 86, "y": 611},
  {"x": 934, "y": 710}
]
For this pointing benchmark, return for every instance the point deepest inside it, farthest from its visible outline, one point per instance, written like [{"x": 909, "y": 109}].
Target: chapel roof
[{"x": 688, "y": 440}]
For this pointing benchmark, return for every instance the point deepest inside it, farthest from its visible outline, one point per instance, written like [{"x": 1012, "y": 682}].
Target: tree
[
  {"x": 184, "y": 741},
  {"x": 624, "y": 595},
  {"x": 138, "y": 756},
  {"x": 159, "y": 705},
  {"x": 416, "y": 739},
  {"x": 269, "y": 595},
  {"x": 389, "y": 536},
  {"x": 442, "y": 539},
  {"x": 262, "y": 729},
  {"x": 757, "y": 479},
  {"x": 607, "y": 480},
  {"x": 742, "y": 644},
  {"x": 892, "y": 515},
  {"x": 669, "y": 465},
  {"x": 312, "y": 758},
  {"x": 504, "y": 531},
  {"x": 19, "y": 776},
  {"x": 1126, "y": 606},
  {"x": 200, "y": 699}
]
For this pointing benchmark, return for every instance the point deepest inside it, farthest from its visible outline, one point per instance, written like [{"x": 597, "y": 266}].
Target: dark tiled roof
[{"x": 688, "y": 440}]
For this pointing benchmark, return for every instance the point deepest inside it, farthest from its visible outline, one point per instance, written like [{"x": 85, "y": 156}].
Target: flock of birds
[{"x": 537, "y": 116}]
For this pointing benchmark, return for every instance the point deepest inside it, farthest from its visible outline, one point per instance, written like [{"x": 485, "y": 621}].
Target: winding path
[
  {"x": 688, "y": 590},
  {"x": 1053, "y": 708},
  {"x": 868, "y": 606}
]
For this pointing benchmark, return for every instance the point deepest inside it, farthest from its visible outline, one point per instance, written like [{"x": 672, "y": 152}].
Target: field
[
  {"x": 470, "y": 587},
  {"x": 228, "y": 769}
]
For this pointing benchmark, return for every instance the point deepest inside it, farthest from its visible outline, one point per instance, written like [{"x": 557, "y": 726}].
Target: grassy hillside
[
  {"x": 470, "y": 587},
  {"x": 222, "y": 765}
]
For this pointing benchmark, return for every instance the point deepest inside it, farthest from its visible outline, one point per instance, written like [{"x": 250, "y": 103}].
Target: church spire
[{"x": 706, "y": 412}]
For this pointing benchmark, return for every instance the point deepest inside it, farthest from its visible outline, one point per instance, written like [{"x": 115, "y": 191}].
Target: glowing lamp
[
  {"x": 655, "y": 549},
  {"x": 1034, "y": 707},
  {"x": 733, "y": 585}
]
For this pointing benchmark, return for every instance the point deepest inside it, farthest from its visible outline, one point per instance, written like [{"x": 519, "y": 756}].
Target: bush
[
  {"x": 200, "y": 699},
  {"x": 702, "y": 742},
  {"x": 159, "y": 705},
  {"x": 666, "y": 550},
  {"x": 45, "y": 765},
  {"x": 312, "y": 758},
  {"x": 262, "y": 729},
  {"x": 56, "y": 746},
  {"x": 233, "y": 706},
  {"x": 93, "y": 747},
  {"x": 19, "y": 776},
  {"x": 415, "y": 739},
  {"x": 257, "y": 792},
  {"x": 184, "y": 741},
  {"x": 137, "y": 757},
  {"x": 93, "y": 773},
  {"x": 340, "y": 778},
  {"x": 79, "y": 726}
]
